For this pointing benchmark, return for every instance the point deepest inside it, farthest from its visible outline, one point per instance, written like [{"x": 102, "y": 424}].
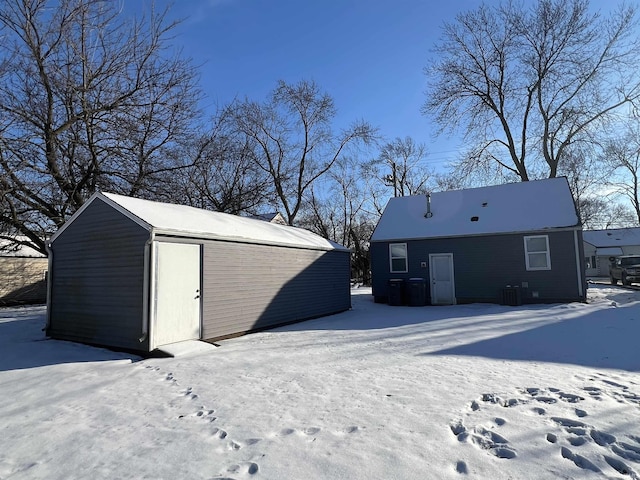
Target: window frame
[
  {"x": 392, "y": 258},
  {"x": 547, "y": 253}
]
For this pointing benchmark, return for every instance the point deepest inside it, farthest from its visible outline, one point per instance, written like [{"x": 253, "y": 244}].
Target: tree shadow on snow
[
  {"x": 23, "y": 343},
  {"x": 604, "y": 338}
]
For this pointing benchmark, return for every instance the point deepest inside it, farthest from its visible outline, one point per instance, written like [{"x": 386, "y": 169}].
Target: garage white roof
[
  {"x": 184, "y": 221},
  {"x": 614, "y": 237},
  {"x": 510, "y": 208}
]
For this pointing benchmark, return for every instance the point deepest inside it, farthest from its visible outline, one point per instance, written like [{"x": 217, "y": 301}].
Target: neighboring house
[
  {"x": 512, "y": 243},
  {"x": 274, "y": 217},
  {"x": 601, "y": 246},
  {"x": 23, "y": 275},
  {"x": 136, "y": 274}
]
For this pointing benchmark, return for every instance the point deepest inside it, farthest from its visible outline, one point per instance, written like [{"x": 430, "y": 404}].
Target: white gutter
[
  {"x": 146, "y": 285},
  {"x": 578, "y": 269},
  {"x": 47, "y": 245}
]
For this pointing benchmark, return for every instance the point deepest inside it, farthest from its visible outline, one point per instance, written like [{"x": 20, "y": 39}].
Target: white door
[
  {"x": 177, "y": 293},
  {"x": 441, "y": 275}
]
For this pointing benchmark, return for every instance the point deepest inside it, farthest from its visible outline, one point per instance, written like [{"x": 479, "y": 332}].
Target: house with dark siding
[
  {"x": 512, "y": 243},
  {"x": 135, "y": 274}
]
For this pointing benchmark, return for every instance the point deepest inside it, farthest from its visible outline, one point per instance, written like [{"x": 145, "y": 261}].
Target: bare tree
[
  {"x": 407, "y": 173},
  {"x": 88, "y": 100},
  {"x": 294, "y": 142},
  {"x": 622, "y": 155},
  {"x": 224, "y": 177},
  {"x": 526, "y": 81},
  {"x": 341, "y": 214},
  {"x": 586, "y": 174}
]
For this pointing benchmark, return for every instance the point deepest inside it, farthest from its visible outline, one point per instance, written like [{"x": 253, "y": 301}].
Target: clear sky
[{"x": 368, "y": 55}]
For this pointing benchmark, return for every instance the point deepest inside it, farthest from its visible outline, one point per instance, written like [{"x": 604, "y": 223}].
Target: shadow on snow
[{"x": 23, "y": 343}]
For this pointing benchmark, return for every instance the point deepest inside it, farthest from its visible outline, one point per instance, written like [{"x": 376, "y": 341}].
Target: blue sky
[{"x": 368, "y": 55}]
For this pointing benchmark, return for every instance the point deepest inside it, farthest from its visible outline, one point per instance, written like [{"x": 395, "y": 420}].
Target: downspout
[
  {"x": 578, "y": 269},
  {"x": 47, "y": 246},
  {"x": 146, "y": 285}
]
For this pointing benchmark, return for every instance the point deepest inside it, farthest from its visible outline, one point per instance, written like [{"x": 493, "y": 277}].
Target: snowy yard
[{"x": 378, "y": 392}]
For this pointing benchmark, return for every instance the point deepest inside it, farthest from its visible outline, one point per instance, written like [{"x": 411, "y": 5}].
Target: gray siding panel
[
  {"x": 248, "y": 287},
  {"x": 97, "y": 280},
  {"x": 484, "y": 265}
]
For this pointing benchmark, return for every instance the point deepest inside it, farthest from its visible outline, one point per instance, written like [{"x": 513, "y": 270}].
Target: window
[
  {"x": 590, "y": 262},
  {"x": 536, "y": 252},
  {"x": 398, "y": 257}
]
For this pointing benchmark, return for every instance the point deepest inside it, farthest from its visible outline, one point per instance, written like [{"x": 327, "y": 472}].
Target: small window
[
  {"x": 398, "y": 257},
  {"x": 536, "y": 252}
]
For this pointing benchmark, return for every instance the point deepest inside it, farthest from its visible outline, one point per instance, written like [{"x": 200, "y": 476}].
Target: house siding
[
  {"x": 96, "y": 293},
  {"x": 484, "y": 265},
  {"x": 249, "y": 287}
]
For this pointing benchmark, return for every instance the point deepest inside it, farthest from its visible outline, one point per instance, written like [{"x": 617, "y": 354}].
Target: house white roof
[
  {"x": 510, "y": 208},
  {"x": 615, "y": 237},
  {"x": 184, "y": 221}
]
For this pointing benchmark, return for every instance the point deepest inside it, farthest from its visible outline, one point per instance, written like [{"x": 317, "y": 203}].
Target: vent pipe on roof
[{"x": 428, "y": 214}]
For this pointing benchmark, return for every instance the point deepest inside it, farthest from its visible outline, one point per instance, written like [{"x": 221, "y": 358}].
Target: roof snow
[
  {"x": 184, "y": 221},
  {"x": 510, "y": 208},
  {"x": 615, "y": 237}
]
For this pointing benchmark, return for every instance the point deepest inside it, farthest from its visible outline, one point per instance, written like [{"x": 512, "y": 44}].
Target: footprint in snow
[
  {"x": 351, "y": 429},
  {"x": 492, "y": 442},
  {"x": 246, "y": 467},
  {"x": 620, "y": 466},
  {"x": 567, "y": 422},
  {"x": 627, "y": 451},
  {"x": 219, "y": 433},
  {"x": 488, "y": 440},
  {"x": 570, "y": 397},
  {"x": 461, "y": 467},
  {"x": 601, "y": 438},
  {"x": 204, "y": 414},
  {"x": 189, "y": 393},
  {"x": 578, "y": 460}
]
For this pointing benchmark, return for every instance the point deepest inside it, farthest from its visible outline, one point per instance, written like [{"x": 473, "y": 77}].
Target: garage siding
[
  {"x": 97, "y": 280},
  {"x": 248, "y": 287}
]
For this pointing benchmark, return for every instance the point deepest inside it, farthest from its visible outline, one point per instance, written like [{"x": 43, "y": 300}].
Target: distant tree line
[{"x": 91, "y": 100}]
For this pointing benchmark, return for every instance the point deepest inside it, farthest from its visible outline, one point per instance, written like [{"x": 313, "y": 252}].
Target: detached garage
[{"x": 136, "y": 274}]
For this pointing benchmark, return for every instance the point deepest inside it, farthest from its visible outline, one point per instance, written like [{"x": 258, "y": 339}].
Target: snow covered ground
[{"x": 378, "y": 392}]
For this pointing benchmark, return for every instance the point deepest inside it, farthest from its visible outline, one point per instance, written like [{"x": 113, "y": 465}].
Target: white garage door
[{"x": 177, "y": 295}]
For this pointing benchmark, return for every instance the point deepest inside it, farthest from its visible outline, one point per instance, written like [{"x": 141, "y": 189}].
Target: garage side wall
[
  {"x": 248, "y": 287},
  {"x": 97, "y": 280}
]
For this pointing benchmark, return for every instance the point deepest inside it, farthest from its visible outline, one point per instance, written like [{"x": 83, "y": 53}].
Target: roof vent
[
  {"x": 429, "y": 214},
  {"x": 474, "y": 219}
]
